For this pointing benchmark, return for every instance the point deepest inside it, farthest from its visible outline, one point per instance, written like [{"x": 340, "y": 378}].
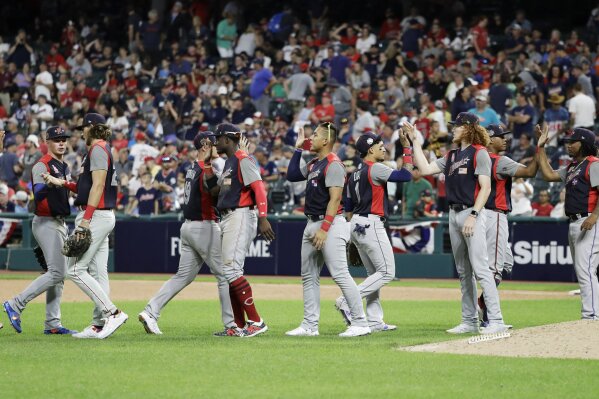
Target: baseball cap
[
  {"x": 497, "y": 131},
  {"x": 248, "y": 121},
  {"x": 3, "y": 189},
  {"x": 54, "y": 132},
  {"x": 197, "y": 140},
  {"x": 167, "y": 158},
  {"x": 92, "y": 119},
  {"x": 140, "y": 136},
  {"x": 33, "y": 138},
  {"x": 582, "y": 135},
  {"x": 465, "y": 118},
  {"x": 227, "y": 129},
  {"x": 21, "y": 196},
  {"x": 481, "y": 97},
  {"x": 366, "y": 141}
]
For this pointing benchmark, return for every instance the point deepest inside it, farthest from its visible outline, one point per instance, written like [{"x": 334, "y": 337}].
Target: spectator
[
  {"x": 500, "y": 95},
  {"x": 226, "y": 34},
  {"x": 297, "y": 86},
  {"x": 123, "y": 164},
  {"x": 20, "y": 52},
  {"x": 426, "y": 207},
  {"x": 262, "y": 81},
  {"x": 583, "y": 80},
  {"x": 543, "y": 207},
  {"x": 9, "y": 163},
  {"x": 557, "y": 119},
  {"x": 30, "y": 157},
  {"x": 166, "y": 182},
  {"x": 148, "y": 36},
  {"x": 582, "y": 109},
  {"x": 366, "y": 40},
  {"x": 462, "y": 102},
  {"x": 524, "y": 151},
  {"x": 21, "y": 202},
  {"x": 5, "y": 204},
  {"x": 412, "y": 192},
  {"x": 351, "y": 159},
  {"x": 140, "y": 150},
  {"x": 42, "y": 114},
  {"x": 364, "y": 121},
  {"x": 411, "y": 39},
  {"x": 147, "y": 198},
  {"x": 342, "y": 100},
  {"x": 558, "y": 210},
  {"x": 268, "y": 168},
  {"x": 480, "y": 35},
  {"x": 486, "y": 115},
  {"x": 521, "y": 193},
  {"x": 521, "y": 116}
]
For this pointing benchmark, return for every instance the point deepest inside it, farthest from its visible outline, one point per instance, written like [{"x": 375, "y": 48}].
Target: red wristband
[
  {"x": 407, "y": 151},
  {"x": 89, "y": 211},
  {"x": 71, "y": 186},
  {"x": 407, "y": 159},
  {"x": 326, "y": 223}
]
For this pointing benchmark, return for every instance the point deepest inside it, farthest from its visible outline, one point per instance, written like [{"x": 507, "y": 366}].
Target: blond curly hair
[{"x": 475, "y": 134}]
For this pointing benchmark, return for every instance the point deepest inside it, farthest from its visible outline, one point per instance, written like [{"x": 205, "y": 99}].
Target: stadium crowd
[{"x": 165, "y": 77}]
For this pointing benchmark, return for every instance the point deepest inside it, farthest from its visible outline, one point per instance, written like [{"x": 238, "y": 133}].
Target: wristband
[
  {"x": 407, "y": 159},
  {"x": 407, "y": 151},
  {"x": 326, "y": 223},
  {"x": 71, "y": 186},
  {"x": 89, "y": 211}
]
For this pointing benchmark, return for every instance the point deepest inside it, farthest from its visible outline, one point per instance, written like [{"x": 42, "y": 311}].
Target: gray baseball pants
[
  {"x": 584, "y": 245},
  {"x": 335, "y": 256},
  {"x": 472, "y": 264},
  {"x": 377, "y": 255},
  {"x": 50, "y": 233},
  {"x": 90, "y": 272},
  {"x": 200, "y": 242}
]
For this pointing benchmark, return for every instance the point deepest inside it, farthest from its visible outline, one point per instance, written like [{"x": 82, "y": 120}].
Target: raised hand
[
  {"x": 542, "y": 135},
  {"x": 301, "y": 137}
]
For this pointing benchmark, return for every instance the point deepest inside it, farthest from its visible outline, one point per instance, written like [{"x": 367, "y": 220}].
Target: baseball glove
[
  {"x": 78, "y": 243},
  {"x": 39, "y": 256},
  {"x": 353, "y": 256}
]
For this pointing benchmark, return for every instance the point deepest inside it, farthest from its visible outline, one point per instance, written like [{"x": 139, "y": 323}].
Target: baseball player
[
  {"x": 467, "y": 171},
  {"x": 200, "y": 242},
  {"x": 499, "y": 205},
  {"x": 327, "y": 232},
  {"x": 366, "y": 204},
  {"x": 50, "y": 231},
  {"x": 581, "y": 177},
  {"x": 240, "y": 191},
  {"x": 96, "y": 198}
]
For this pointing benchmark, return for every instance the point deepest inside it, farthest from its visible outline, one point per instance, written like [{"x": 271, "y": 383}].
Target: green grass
[
  {"x": 450, "y": 283},
  {"x": 186, "y": 362}
]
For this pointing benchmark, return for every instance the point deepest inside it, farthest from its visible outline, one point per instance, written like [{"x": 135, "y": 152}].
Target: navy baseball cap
[
  {"x": 227, "y": 129},
  {"x": 366, "y": 141},
  {"x": 56, "y": 132},
  {"x": 582, "y": 135},
  {"x": 497, "y": 131},
  {"x": 92, "y": 119},
  {"x": 197, "y": 141},
  {"x": 465, "y": 118}
]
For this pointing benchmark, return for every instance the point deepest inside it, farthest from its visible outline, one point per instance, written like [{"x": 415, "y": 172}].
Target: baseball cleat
[
  {"x": 90, "y": 332},
  {"x": 302, "y": 332},
  {"x": 383, "y": 327},
  {"x": 13, "y": 316},
  {"x": 113, "y": 322},
  {"x": 253, "y": 328},
  {"x": 59, "y": 331},
  {"x": 1, "y": 325},
  {"x": 463, "y": 329},
  {"x": 230, "y": 332},
  {"x": 355, "y": 331},
  {"x": 494, "y": 328},
  {"x": 150, "y": 324},
  {"x": 341, "y": 306}
]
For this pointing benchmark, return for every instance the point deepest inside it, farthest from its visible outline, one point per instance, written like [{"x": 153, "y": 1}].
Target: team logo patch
[
  {"x": 370, "y": 141},
  {"x": 361, "y": 229},
  {"x": 55, "y": 169}
]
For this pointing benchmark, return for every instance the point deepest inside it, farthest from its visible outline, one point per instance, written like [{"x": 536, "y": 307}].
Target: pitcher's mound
[{"x": 573, "y": 340}]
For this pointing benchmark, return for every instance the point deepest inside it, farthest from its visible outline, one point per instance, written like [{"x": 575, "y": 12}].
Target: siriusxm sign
[{"x": 541, "y": 251}]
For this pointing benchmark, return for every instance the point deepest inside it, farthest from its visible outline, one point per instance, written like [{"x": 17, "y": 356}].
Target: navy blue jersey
[
  {"x": 461, "y": 181},
  {"x": 234, "y": 191},
  {"x": 581, "y": 197},
  {"x": 367, "y": 197},
  {"x": 317, "y": 192},
  {"x": 84, "y": 184},
  {"x": 197, "y": 203},
  {"x": 56, "y": 201},
  {"x": 146, "y": 198}
]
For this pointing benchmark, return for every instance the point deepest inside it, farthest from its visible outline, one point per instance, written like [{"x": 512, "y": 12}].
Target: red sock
[
  {"x": 237, "y": 309},
  {"x": 242, "y": 290}
]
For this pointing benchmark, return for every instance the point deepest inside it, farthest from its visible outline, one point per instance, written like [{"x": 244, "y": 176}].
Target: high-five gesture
[
  {"x": 542, "y": 135},
  {"x": 301, "y": 137}
]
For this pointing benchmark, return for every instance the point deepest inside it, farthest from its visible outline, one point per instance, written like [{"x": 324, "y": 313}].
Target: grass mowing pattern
[{"x": 187, "y": 362}]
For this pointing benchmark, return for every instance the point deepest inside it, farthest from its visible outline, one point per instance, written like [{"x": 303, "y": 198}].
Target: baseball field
[{"x": 188, "y": 362}]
